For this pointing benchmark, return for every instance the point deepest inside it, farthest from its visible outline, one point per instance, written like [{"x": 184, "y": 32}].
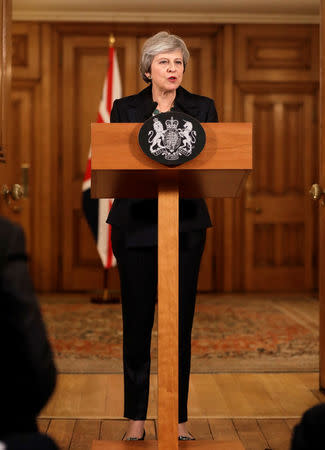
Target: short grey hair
[{"x": 161, "y": 42}]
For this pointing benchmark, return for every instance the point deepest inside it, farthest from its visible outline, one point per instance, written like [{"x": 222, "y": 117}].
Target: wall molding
[{"x": 160, "y": 17}]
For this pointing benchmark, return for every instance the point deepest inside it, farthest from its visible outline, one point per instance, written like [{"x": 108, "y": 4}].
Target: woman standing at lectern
[{"x": 134, "y": 235}]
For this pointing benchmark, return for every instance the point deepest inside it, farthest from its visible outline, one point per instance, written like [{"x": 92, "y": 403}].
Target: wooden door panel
[
  {"x": 26, "y": 55},
  {"x": 277, "y": 53},
  {"x": 21, "y": 141},
  {"x": 279, "y": 214}
]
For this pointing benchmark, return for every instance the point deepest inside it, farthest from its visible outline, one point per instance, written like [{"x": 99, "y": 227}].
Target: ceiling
[{"x": 222, "y": 11}]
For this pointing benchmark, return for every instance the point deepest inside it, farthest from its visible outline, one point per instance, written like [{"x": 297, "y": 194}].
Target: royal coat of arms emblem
[
  {"x": 172, "y": 141},
  {"x": 171, "y": 138}
]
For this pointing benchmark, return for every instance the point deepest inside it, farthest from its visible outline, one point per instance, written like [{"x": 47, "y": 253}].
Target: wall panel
[{"x": 276, "y": 53}]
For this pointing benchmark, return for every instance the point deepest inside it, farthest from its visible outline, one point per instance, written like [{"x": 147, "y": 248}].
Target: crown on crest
[{"x": 171, "y": 124}]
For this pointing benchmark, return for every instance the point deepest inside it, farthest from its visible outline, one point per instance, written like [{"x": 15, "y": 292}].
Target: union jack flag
[{"x": 96, "y": 210}]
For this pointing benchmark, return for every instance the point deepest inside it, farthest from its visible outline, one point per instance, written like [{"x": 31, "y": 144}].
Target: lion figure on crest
[
  {"x": 188, "y": 138},
  {"x": 157, "y": 139}
]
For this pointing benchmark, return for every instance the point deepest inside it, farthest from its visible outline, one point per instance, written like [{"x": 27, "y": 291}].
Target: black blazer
[{"x": 139, "y": 216}]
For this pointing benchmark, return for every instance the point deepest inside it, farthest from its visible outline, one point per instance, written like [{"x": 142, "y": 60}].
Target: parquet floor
[{"x": 258, "y": 409}]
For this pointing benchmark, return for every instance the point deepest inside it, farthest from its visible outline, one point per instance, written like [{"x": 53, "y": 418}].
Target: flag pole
[
  {"x": 107, "y": 295},
  {"x": 111, "y": 40}
]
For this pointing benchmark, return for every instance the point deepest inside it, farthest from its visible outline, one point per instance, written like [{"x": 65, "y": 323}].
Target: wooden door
[
  {"x": 6, "y": 178},
  {"x": 279, "y": 215},
  {"x": 275, "y": 75},
  {"x": 321, "y": 205},
  {"x": 12, "y": 203}
]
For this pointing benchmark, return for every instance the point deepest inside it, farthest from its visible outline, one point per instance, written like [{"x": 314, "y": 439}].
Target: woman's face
[{"x": 167, "y": 70}]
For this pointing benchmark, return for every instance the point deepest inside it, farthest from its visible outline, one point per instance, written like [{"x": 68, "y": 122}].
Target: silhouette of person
[
  {"x": 28, "y": 373},
  {"x": 309, "y": 433}
]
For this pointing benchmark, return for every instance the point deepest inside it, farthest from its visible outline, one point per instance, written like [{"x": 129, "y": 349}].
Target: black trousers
[{"x": 138, "y": 274}]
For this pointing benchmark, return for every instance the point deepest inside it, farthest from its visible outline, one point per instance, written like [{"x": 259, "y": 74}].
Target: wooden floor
[
  {"x": 255, "y": 434},
  {"x": 225, "y": 395},
  {"x": 258, "y": 409}
]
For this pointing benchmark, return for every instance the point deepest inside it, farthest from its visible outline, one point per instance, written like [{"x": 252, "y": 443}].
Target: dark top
[
  {"x": 139, "y": 216},
  {"x": 28, "y": 374}
]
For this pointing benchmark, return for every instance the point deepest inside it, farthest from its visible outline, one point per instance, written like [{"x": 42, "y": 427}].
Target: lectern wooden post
[{"x": 121, "y": 169}]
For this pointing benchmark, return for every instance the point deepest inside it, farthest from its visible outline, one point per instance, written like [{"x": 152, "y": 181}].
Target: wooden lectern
[{"x": 121, "y": 169}]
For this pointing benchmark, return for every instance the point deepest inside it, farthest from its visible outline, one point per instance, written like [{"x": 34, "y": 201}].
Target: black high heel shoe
[
  {"x": 134, "y": 438},
  {"x": 186, "y": 438}
]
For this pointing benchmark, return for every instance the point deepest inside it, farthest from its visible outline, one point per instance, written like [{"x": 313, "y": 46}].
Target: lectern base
[{"x": 153, "y": 445}]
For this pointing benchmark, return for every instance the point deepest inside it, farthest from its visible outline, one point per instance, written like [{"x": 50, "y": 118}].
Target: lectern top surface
[{"x": 115, "y": 147}]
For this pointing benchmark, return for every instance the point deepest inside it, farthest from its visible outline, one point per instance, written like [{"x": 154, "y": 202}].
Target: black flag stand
[{"x": 107, "y": 297}]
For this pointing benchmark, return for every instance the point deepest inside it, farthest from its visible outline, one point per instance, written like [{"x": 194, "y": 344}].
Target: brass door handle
[
  {"x": 12, "y": 195},
  {"x": 317, "y": 192}
]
